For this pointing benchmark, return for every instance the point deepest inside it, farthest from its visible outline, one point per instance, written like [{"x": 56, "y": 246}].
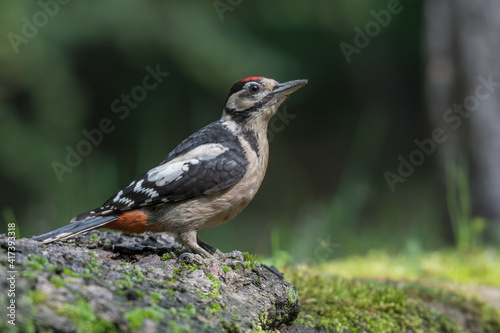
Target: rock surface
[{"x": 105, "y": 282}]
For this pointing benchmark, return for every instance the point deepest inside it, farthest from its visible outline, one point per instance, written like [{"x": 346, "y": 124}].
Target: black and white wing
[{"x": 206, "y": 163}]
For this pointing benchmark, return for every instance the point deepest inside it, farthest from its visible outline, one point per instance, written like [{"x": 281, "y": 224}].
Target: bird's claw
[
  {"x": 237, "y": 263},
  {"x": 191, "y": 257},
  {"x": 234, "y": 254}
]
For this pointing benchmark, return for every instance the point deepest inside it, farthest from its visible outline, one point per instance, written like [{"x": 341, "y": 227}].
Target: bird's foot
[
  {"x": 233, "y": 254},
  {"x": 236, "y": 255},
  {"x": 233, "y": 259},
  {"x": 191, "y": 258}
]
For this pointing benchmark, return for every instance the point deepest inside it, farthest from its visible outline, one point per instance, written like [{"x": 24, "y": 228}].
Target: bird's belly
[{"x": 207, "y": 211}]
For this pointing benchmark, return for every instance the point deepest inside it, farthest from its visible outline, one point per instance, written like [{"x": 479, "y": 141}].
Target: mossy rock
[
  {"x": 337, "y": 304},
  {"x": 111, "y": 282}
]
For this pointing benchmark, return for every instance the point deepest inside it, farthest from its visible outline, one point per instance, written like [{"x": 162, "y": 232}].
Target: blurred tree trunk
[{"x": 463, "y": 92}]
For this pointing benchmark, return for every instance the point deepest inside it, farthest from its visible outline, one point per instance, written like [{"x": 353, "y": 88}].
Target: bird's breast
[{"x": 211, "y": 210}]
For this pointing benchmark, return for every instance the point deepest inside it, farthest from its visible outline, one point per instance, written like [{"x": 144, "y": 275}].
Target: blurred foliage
[
  {"x": 467, "y": 230},
  {"x": 325, "y": 177},
  {"x": 480, "y": 267}
]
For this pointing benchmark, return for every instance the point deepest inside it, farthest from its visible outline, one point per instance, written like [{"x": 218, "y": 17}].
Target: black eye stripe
[
  {"x": 251, "y": 109},
  {"x": 240, "y": 85}
]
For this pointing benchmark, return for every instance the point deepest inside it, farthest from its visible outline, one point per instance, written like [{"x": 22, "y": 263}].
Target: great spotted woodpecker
[{"x": 205, "y": 181}]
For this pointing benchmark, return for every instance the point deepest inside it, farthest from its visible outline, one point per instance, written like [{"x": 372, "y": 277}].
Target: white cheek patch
[
  {"x": 174, "y": 170},
  {"x": 242, "y": 101},
  {"x": 231, "y": 102}
]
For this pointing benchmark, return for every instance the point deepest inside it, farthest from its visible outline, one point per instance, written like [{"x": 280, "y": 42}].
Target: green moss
[
  {"x": 82, "y": 315},
  {"x": 156, "y": 297},
  {"x": 94, "y": 263},
  {"x": 94, "y": 238},
  {"x": 186, "y": 313},
  {"x": 70, "y": 272},
  {"x": 263, "y": 319},
  {"x": 226, "y": 269},
  {"x": 37, "y": 262},
  {"x": 156, "y": 313},
  {"x": 178, "y": 328},
  {"x": 57, "y": 281},
  {"x": 66, "y": 271},
  {"x": 29, "y": 274},
  {"x": 187, "y": 268},
  {"x": 230, "y": 327},
  {"x": 293, "y": 296},
  {"x": 337, "y": 304},
  {"x": 201, "y": 294},
  {"x": 215, "y": 307},
  {"x": 171, "y": 294},
  {"x": 179, "y": 251},
  {"x": 249, "y": 260},
  {"x": 35, "y": 297},
  {"x": 136, "y": 316},
  {"x": 178, "y": 271},
  {"x": 130, "y": 278},
  {"x": 165, "y": 257},
  {"x": 215, "y": 289},
  {"x": 125, "y": 283},
  {"x": 138, "y": 275},
  {"x": 257, "y": 328}
]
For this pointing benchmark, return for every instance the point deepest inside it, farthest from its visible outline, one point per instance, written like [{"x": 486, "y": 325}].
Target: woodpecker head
[{"x": 257, "y": 98}]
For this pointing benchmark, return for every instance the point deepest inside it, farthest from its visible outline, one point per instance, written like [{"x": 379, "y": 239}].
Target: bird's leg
[
  {"x": 204, "y": 249},
  {"x": 209, "y": 248},
  {"x": 189, "y": 238},
  {"x": 215, "y": 251}
]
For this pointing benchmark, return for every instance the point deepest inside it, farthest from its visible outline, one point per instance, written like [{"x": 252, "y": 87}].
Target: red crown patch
[{"x": 251, "y": 78}]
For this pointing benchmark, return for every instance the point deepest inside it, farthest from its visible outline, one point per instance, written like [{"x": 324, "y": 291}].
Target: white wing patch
[
  {"x": 202, "y": 153},
  {"x": 152, "y": 193},
  {"x": 166, "y": 173},
  {"x": 122, "y": 200},
  {"x": 174, "y": 169}
]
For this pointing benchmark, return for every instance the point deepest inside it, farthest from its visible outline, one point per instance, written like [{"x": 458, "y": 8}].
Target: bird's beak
[{"x": 286, "y": 88}]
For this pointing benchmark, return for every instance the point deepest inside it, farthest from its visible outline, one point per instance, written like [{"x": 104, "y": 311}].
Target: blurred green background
[{"x": 325, "y": 181}]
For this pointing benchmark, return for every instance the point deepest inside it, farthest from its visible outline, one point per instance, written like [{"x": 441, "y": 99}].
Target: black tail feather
[{"x": 75, "y": 228}]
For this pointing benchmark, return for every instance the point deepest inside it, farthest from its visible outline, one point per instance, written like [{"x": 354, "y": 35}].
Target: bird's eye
[{"x": 254, "y": 89}]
